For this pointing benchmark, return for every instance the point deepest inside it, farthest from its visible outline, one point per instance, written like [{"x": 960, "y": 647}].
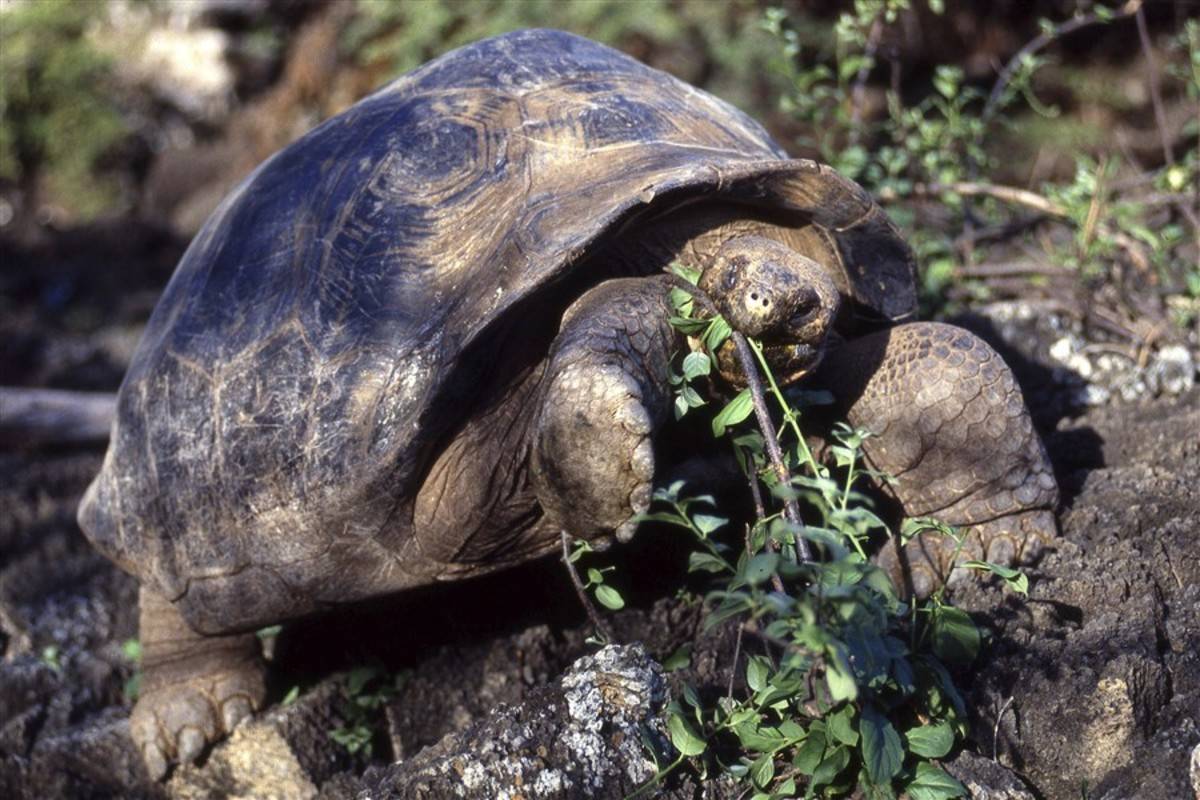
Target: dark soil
[{"x": 1091, "y": 686}]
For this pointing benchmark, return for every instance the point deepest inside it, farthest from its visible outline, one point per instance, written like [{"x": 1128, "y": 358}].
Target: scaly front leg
[
  {"x": 605, "y": 393},
  {"x": 952, "y": 428}
]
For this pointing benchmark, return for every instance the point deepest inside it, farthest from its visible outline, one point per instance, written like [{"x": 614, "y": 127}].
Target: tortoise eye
[{"x": 729, "y": 280}]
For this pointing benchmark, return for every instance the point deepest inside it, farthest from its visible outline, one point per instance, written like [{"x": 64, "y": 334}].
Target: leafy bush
[
  {"x": 56, "y": 117},
  {"x": 930, "y": 162},
  {"x": 721, "y": 41},
  {"x": 850, "y": 690}
]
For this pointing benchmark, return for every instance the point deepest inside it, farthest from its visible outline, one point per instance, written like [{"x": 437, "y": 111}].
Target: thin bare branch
[
  {"x": 1160, "y": 116},
  {"x": 1132, "y": 248},
  {"x": 599, "y": 624},
  {"x": 791, "y": 510},
  {"x": 1045, "y": 38},
  {"x": 35, "y": 417},
  {"x": 860, "y": 79}
]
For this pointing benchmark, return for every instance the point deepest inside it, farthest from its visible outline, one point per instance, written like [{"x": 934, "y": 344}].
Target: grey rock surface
[
  {"x": 578, "y": 738},
  {"x": 986, "y": 779}
]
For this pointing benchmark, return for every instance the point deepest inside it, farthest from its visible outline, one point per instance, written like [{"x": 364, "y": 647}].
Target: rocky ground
[{"x": 1091, "y": 688}]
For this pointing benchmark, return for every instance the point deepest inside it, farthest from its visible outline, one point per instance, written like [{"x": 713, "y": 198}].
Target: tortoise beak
[{"x": 789, "y": 361}]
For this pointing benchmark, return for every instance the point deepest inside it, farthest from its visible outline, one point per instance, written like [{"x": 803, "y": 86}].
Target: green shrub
[{"x": 56, "y": 116}]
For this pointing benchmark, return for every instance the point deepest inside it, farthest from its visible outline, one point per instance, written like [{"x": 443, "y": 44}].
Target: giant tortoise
[{"x": 432, "y": 334}]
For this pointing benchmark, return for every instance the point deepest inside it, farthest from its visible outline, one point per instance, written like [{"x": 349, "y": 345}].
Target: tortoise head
[{"x": 771, "y": 293}]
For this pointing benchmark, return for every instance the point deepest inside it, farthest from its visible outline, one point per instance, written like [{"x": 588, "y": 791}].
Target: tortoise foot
[
  {"x": 195, "y": 689},
  {"x": 930, "y": 560},
  {"x": 595, "y": 450},
  {"x": 592, "y": 464}
]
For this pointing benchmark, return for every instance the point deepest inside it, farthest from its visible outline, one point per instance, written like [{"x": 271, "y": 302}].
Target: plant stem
[
  {"x": 1011, "y": 194},
  {"x": 1130, "y": 8},
  {"x": 791, "y": 509},
  {"x": 789, "y": 415},
  {"x": 1160, "y": 116},
  {"x": 600, "y": 625}
]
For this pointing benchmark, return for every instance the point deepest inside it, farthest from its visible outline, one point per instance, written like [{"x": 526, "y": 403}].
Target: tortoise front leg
[
  {"x": 604, "y": 394},
  {"x": 195, "y": 688},
  {"x": 952, "y": 428}
]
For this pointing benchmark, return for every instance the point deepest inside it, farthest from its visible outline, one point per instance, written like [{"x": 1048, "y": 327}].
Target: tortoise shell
[{"x": 294, "y": 381}]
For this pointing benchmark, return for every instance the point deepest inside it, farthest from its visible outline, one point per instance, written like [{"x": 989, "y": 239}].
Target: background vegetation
[{"x": 1042, "y": 149}]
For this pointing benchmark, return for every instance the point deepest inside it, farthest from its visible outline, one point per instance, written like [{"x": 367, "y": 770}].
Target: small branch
[
  {"x": 33, "y": 417},
  {"x": 737, "y": 654},
  {"x": 1011, "y": 194},
  {"x": 968, "y": 240},
  {"x": 1160, "y": 116},
  {"x": 597, "y": 622},
  {"x": 996, "y": 730},
  {"x": 791, "y": 510},
  {"x": 1130, "y": 8},
  {"x": 860, "y": 79},
  {"x": 997, "y": 269}
]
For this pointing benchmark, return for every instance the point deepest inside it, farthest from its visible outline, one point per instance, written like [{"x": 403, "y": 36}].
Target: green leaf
[
  {"x": 882, "y": 750},
  {"x": 840, "y": 680},
  {"x": 757, "y": 672},
  {"x": 681, "y": 406},
  {"x": 132, "y": 650},
  {"x": 933, "y": 783},
  {"x": 689, "y": 274},
  {"x": 812, "y": 752},
  {"x": 912, "y": 527},
  {"x": 1015, "y": 579},
  {"x": 609, "y": 597},
  {"x": 707, "y": 523},
  {"x": 758, "y": 741},
  {"x": 690, "y": 327},
  {"x": 835, "y": 761},
  {"x": 358, "y": 678},
  {"x": 761, "y": 567},
  {"x": 705, "y": 562},
  {"x": 938, "y": 679},
  {"x": 734, "y": 412},
  {"x": 683, "y": 737},
  {"x": 680, "y": 659},
  {"x": 841, "y": 725},
  {"x": 718, "y": 331},
  {"x": 691, "y": 397},
  {"x": 931, "y": 741},
  {"x": 696, "y": 364},
  {"x": 763, "y": 770},
  {"x": 955, "y": 637},
  {"x": 291, "y": 696}
]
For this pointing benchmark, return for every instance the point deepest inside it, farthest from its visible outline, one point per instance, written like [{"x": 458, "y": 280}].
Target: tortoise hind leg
[
  {"x": 952, "y": 427},
  {"x": 604, "y": 394},
  {"x": 194, "y": 689}
]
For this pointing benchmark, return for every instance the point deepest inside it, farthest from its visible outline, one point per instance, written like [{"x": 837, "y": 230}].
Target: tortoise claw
[
  {"x": 189, "y": 744},
  {"x": 155, "y": 761},
  {"x": 235, "y": 711}
]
